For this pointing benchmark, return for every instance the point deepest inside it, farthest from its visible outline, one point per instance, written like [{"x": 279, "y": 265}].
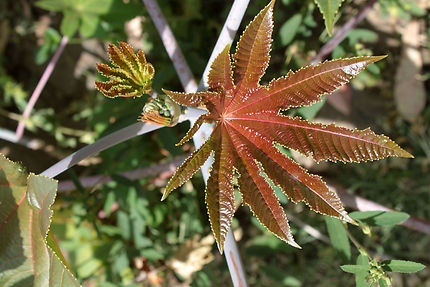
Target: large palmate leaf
[
  {"x": 248, "y": 124},
  {"x": 25, "y": 217}
]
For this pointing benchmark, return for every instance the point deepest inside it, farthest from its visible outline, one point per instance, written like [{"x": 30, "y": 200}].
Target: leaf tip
[
  {"x": 294, "y": 244},
  {"x": 345, "y": 217},
  {"x": 166, "y": 193},
  {"x": 405, "y": 154},
  {"x": 374, "y": 59},
  {"x": 220, "y": 245}
]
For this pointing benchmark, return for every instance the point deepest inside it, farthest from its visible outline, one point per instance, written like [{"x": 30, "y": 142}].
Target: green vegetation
[{"x": 116, "y": 231}]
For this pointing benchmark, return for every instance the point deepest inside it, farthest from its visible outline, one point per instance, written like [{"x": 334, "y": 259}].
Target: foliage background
[{"x": 119, "y": 233}]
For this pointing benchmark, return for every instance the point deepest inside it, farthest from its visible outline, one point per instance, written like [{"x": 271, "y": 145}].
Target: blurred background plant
[{"x": 119, "y": 233}]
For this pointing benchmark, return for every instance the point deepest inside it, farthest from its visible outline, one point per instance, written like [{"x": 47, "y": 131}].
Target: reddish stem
[{"x": 39, "y": 88}]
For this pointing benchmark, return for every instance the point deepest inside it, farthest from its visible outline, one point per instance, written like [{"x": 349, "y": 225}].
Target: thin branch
[
  {"x": 152, "y": 170},
  {"x": 312, "y": 231},
  {"x": 39, "y": 88},
  {"x": 342, "y": 32},
  {"x": 10, "y": 136},
  {"x": 33, "y": 144},
  {"x": 172, "y": 47},
  {"x": 362, "y": 204},
  {"x": 227, "y": 34},
  {"x": 112, "y": 139}
]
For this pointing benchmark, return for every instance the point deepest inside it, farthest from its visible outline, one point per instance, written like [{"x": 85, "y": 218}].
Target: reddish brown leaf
[
  {"x": 192, "y": 99},
  {"x": 304, "y": 87},
  {"x": 322, "y": 142},
  {"x": 296, "y": 183},
  {"x": 190, "y": 166},
  {"x": 257, "y": 193},
  {"x": 219, "y": 190},
  {"x": 195, "y": 128},
  {"x": 252, "y": 53},
  {"x": 220, "y": 75},
  {"x": 248, "y": 124}
]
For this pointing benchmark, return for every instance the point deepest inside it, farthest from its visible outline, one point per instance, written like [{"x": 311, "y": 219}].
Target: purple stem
[
  {"x": 39, "y": 88},
  {"x": 228, "y": 31},
  {"x": 153, "y": 170},
  {"x": 172, "y": 47},
  {"x": 342, "y": 32}
]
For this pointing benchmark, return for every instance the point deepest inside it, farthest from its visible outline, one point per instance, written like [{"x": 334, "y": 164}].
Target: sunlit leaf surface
[{"x": 248, "y": 124}]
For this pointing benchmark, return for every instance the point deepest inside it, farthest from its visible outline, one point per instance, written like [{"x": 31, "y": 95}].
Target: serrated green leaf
[
  {"x": 70, "y": 24},
  {"x": 25, "y": 217},
  {"x": 354, "y": 268},
  {"x": 329, "y": 9},
  {"x": 338, "y": 237},
  {"x": 402, "y": 266},
  {"x": 289, "y": 29},
  {"x": 380, "y": 218}
]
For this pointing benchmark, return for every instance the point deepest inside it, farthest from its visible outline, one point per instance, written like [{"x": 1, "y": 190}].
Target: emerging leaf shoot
[
  {"x": 248, "y": 123},
  {"x": 131, "y": 75},
  {"x": 161, "y": 110}
]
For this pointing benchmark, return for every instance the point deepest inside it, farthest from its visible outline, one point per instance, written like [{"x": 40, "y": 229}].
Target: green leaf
[
  {"x": 124, "y": 224},
  {"x": 89, "y": 25},
  {"x": 70, "y": 24},
  {"x": 95, "y": 7},
  {"x": 25, "y": 217},
  {"x": 402, "y": 266},
  {"x": 51, "y": 41},
  {"x": 338, "y": 237},
  {"x": 413, "y": 8},
  {"x": 361, "y": 35},
  {"x": 311, "y": 111},
  {"x": 289, "y": 29},
  {"x": 53, "y": 5},
  {"x": 360, "y": 277},
  {"x": 329, "y": 9},
  {"x": 379, "y": 218},
  {"x": 356, "y": 269},
  {"x": 382, "y": 283}
]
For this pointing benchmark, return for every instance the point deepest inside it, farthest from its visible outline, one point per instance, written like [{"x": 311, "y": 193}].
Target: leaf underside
[{"x": 248, "y": 124}]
